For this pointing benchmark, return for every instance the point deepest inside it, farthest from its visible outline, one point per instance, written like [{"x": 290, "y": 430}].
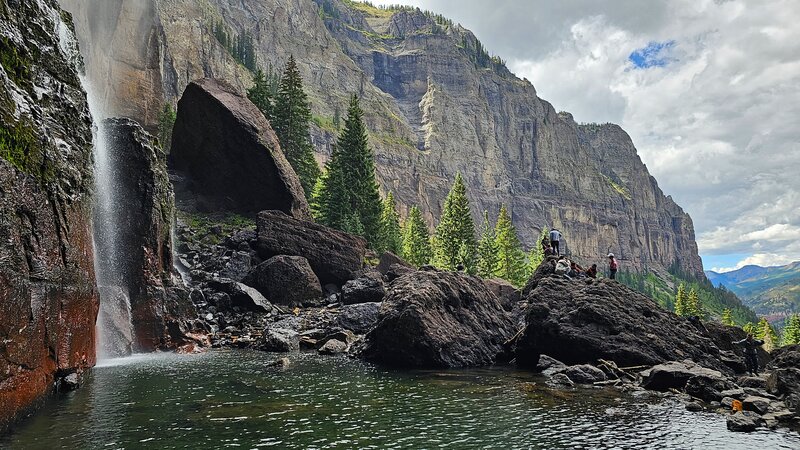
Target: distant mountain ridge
[{"x": 769, "y": 291}]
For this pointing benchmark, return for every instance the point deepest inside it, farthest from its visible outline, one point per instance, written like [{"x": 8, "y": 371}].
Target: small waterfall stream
[{"x": 114, "y": 323}]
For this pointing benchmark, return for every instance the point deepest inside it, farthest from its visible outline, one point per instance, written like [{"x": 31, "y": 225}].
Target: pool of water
[{"x": 234, "y": 399}]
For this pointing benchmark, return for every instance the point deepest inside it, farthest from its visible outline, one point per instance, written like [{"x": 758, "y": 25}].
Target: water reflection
[{"x": 232, "y": 398}]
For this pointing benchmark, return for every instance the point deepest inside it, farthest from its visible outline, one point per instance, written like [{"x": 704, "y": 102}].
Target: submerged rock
[
  {"x": 335, "y": 256},
  {"x": 438, "y": 319},
  {"x": 286, "y": 280},
  {"x": 578, "y": 322},
  {"x": 227, "y": 146}
]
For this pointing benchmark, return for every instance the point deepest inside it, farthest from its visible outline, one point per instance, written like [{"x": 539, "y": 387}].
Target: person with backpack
[
  {"x": 555, "y": 239},
  {"x": 750, "y": 352},
  {"x": 613, "y": 265}
]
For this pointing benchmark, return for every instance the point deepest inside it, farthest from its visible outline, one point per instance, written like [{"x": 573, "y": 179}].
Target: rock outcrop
[
  {"x": 580, "y": 321},
  {"x": 335, "y": 256},
  {"x": 142, "y": 247},
  {"x": 785, "y": 377},
  {"x": 434, "y": 106},
  {"x": 227, "y": 147},
  {"x": 48, "y": 298},
  {"x": 432, "y": 319},
  {"x": 286, "y": 280}
]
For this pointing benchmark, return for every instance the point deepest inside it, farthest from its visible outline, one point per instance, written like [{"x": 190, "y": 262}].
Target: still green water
[{"x": 232, "y": 399}]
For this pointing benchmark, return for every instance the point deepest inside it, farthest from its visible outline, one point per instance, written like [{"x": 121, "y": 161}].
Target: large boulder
[
  {"x": 241, "y": 295},
  {"x": 581, "y": 321},
  {"x": 133, "y": 238},
  {"x": 505, "y": 291},
  {"x": 438, "y": 320},
  {"x": 785, "y": 377},
  {"x": 358, "y": 318},
  {"x": 389, "y": 259},
  {"x": 335, "y": 256},
  {"x": 228, "y": 148},
  {"x": 286, "y": 280},
  {"x": 676, "y": 374},
  {"x": 368, "y": 288},
  {"x": 48, "y": 297}
]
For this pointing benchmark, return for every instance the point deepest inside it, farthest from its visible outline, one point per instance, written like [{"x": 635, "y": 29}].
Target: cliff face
[
  {"x": 436, "y": 105},
  {"x": 48, "y": 299}
]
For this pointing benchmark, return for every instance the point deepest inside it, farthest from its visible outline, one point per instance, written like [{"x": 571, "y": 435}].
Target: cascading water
[{"x": 114, "y": 323}]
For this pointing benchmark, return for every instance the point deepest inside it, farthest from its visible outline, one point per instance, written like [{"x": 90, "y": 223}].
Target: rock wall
[
  {"x": 48, "y": 298},
  {"x": 434, "y": 108},
  {"x": 159, "y": 303}
]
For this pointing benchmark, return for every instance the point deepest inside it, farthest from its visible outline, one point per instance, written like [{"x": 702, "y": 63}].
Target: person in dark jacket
[
  {"x": 750, "y": 352},
  {"x": 591, "y": 272}
]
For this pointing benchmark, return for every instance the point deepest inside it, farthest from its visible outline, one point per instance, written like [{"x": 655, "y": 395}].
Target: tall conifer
[
  {"x": 455, "y": 230},
  {"x": 487, "y": 249},
  {"x": 510, "y": 256},
  {"x": 416, "y": 239},
  {"x": 791, "y": 332},
  {"x": 536, "y": 255},
  {"x": 765, "y": 331},
  {"x": 292, "y": 114},
  {"x": 263, "y": 93},
  {"x": 680, "y": 301},
  {"x": 727, "y": 317},
  {"x": 391, "y": 238}
]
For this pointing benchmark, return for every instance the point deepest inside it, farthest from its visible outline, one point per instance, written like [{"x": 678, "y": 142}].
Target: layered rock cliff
[
  {"x": 48, "y": 299},
  {"x": 435, "y": 105}
]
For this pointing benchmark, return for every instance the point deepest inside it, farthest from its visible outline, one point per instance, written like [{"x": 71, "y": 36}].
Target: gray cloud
[{"x": 718, "y": 126}]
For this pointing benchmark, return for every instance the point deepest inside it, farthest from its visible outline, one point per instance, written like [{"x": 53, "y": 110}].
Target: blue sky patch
[{"x": 655, "y": 54}]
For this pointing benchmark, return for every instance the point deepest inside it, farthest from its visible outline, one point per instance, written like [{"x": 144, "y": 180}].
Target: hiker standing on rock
[
  {"x": 555, "y": 239},
  {"x": 750, "y": 352},
  {"x": 613, "y": 265}
]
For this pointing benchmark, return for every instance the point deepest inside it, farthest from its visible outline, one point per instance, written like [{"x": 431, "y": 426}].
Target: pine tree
[
  {"x": 292, "y": 115},
  {"x": 765, "y": 331},
  {"x": 693, "y": 307},
  {"x": 416, "y": 239},
  {"x": 749, "y": 328},
  {"x": 681, "y": 305},
  {"x": 510, "y": 257},
  {"x": 166, "y": 122},
  {"x": 455, "y": 229},
  {"x": 727, "y": 317},
  {"x": 791, "y": 332},
  {"x": 487, "y": 249},
  {"x": 262, "y": 94},
  {"x": 536, "y": 255},
  {"x": 349, "y": 185},
  {"x": 391, "y": 238}
]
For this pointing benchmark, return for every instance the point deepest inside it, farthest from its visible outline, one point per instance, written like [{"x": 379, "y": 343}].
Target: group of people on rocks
[{"x": 551, "y": 245}]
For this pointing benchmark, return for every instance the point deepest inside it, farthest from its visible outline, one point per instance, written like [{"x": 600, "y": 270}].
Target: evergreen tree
[
  {"x": 292, "y": 115},
  {"x": 416, "y": 239},
  {"x": 317, "y": 200},
  {"x": 487, "y": 249},
  {"x": 455, "y": 229},
  {"x": 349, "y": 187},
  {"x": 391, "y": 238},
  {"x": 536, "y": 255},
  {"x": 693, "y": 306},
  {"x": 510, "y": 257},
  {"x": 791, "y": 332},
  {"x": 749, "y": 328},
  {"x": 166, "y": 122},
  {"x": 680, "y": 301},
  {"x": 765, "y": 331},
  {"x": 727, "y": 317},
  {"x": 263, "y": 93}
]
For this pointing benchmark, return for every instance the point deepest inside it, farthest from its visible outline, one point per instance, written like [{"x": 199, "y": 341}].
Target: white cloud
[
  {"x": 717, "y": 126},
  {"x": 758, "y": 259}
]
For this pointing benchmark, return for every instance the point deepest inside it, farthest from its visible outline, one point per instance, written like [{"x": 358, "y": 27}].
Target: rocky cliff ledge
[{"x": 48, "y": 299}]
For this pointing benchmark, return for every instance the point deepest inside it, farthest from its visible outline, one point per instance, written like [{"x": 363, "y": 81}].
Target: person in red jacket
[{"x": 613, "y": 265}]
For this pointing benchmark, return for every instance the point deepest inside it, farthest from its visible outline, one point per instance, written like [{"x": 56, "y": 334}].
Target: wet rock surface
[
  {"x": 287, "y": 281},
  {"x": 438, "y": 319}
]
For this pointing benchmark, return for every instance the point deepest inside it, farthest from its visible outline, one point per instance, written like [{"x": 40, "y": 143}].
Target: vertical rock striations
[
  {"x": 48, "y": 299},
  {"x": 159, "y": 304}
]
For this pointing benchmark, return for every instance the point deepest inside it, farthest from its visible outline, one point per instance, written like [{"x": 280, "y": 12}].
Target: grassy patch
[
  {"x": 212, "y": 228},
  {"x": 368, "y": 9},
  {"x": 393, "y": 139},
  {"x": 621, "y": 190},
  {"x": 326, "y": 123},
  {"x": 20, "y": 147}
]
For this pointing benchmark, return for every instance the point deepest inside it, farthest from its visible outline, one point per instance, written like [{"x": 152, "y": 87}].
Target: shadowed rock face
[
  {"x": 48, "y": 298},
  {"x": 146, "y": 208},
  {"x": 434, "y": 319},
  {"x": 578, "y": 322},
  {"x": 229, "y": 149}
]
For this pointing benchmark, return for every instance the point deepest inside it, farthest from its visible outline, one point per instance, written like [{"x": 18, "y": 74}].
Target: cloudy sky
[{"x": 709, "y": 91}]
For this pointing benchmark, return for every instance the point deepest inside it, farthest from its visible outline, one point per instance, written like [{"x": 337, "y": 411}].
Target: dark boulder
[
  {"x": 675, "y": 375},
  {"x": 286, "y": 280},
  {"x": 438, "y": 320},
  {"x": 333, "y": 347},
  {"x": 359, "y": 318},
  {"x": 580, "y": 322},
  {"x": 335, "y": 256},
  {"x": 706, "y": 388},
  {"x": 228, "y": 148},
  {"x": 368, "y": 288},
  {"x": 785, "y": 377},
  {"x": 279, "y": 340},
  {"x": 505, "y": 291},
  {"x": 237, "y": 266},
  {"x": 398, "y": 270},
  {"x": 585, "y": 374},
  {"x": 241, "y": 295},
  {"x": 388, "y": 259},
  {"x": 743, "y": 421}
]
